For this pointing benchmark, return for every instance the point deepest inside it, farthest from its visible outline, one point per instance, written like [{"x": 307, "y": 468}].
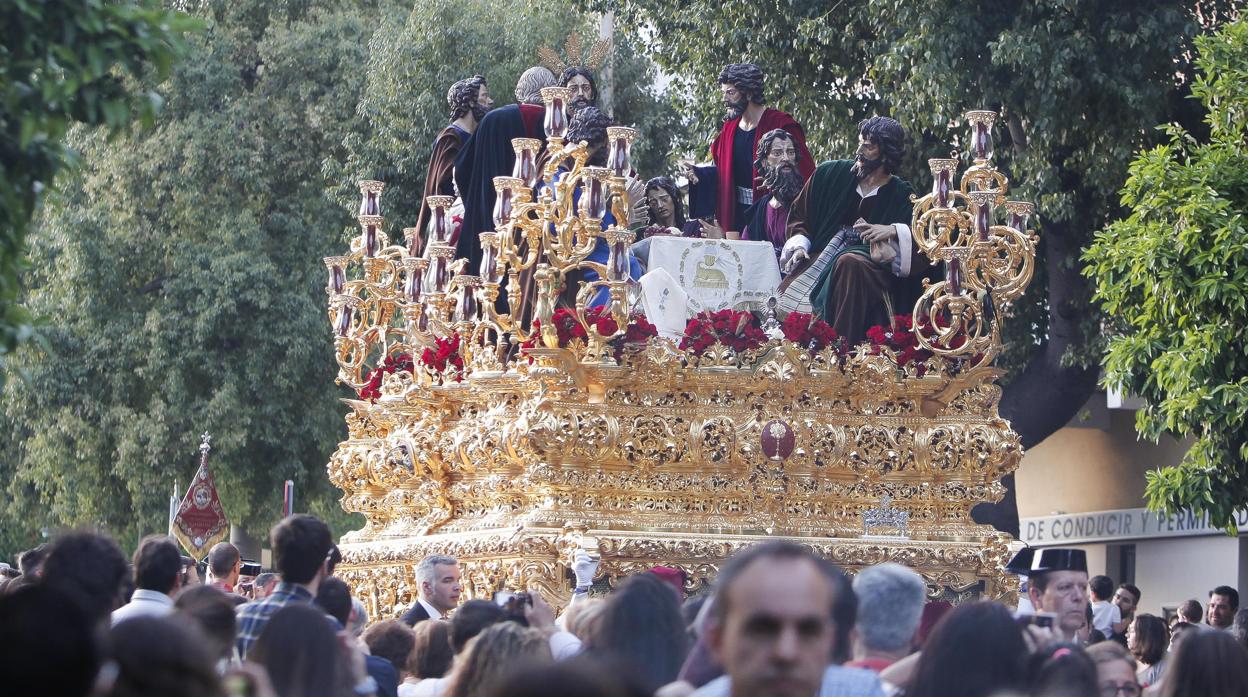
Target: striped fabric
[{"x": 796, "y": 297}]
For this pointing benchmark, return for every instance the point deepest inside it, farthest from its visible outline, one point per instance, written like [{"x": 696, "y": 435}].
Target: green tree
[
  {"x": 1078, "y": 85},
  {"x": 181, "y": 269},
  {"x": 1173, "y": 278},
  {"x": 64, "y": 63}
]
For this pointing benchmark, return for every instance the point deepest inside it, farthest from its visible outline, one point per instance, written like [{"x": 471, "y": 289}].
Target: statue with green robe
[{"x": 850, "y": 253}]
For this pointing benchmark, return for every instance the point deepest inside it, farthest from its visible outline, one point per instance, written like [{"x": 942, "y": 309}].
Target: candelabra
[{"x": 987, "y": 265}]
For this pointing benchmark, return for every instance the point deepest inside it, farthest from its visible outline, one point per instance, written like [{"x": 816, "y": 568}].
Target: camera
[
  {"x": 513, "y": 602},
  {"x": 513, "y": 605}
]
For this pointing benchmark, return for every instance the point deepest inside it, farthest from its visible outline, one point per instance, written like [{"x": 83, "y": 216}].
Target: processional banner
[{"x": 200, "y": 521}]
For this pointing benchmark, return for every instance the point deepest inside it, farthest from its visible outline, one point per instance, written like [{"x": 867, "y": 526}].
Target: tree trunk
[{"x": 1047, "y": 394}]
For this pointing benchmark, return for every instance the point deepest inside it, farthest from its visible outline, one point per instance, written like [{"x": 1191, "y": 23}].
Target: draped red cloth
[
  {"x": 533, "y": 115},
  {"x": 721, "y": 153}
]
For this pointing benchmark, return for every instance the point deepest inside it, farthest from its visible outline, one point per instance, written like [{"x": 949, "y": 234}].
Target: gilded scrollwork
[{"x": 662, "y": 455}]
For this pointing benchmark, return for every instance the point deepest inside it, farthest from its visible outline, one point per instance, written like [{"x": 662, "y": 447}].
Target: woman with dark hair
[
  {"x": 642, "y": 630},
  {"x": 431, "y": 655},
  {"x": 1062, "y": 670},
  {"x": 1208, "y": 664},
  {"x": 1147, "y": 640},
  {"x": 157, "y": 656},
  {"x": 977, "y": 650},
  {"x": 300, "y": 650}
]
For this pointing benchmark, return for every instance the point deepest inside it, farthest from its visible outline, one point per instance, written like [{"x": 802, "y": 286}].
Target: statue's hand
[
  {"x": 794, "y": 259},
  {"x": 686, "y": 168},
  {"x": 874, "y": 233},
  {"x": 711, "y": 231}
]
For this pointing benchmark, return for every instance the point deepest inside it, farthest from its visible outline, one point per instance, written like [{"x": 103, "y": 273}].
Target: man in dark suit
[{"x": 438, "y": 589}]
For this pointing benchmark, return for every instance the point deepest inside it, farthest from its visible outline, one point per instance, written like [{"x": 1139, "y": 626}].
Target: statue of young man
[
  {"x": 736, "y": 179},
  {"x": 850, "y": 242},
  {"x": 469, "y": 100}
]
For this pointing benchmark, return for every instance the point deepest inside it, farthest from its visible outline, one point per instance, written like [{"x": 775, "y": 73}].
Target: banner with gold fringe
[{"x": 200, "y": 521}]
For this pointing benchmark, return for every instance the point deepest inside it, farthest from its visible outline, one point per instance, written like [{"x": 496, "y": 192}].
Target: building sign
[{"x": 1110, "y": 526}]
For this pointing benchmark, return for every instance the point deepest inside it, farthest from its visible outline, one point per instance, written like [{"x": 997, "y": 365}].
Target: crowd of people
[
  {"x": 840, "y": 230},
  {"x": 77, "y": 618}
]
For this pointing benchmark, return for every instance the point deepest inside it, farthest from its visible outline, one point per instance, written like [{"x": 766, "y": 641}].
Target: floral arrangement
[
  {"x": 738, "y": 330},
  {"x": 806, "y": 330},
  {"x": 639, "y": 331},
  {"x": 393, "y": 364},
  {"x": 570, "y": 330},
  {"x": 898, "y": 337},
  {"x": 443, "y": 357}
]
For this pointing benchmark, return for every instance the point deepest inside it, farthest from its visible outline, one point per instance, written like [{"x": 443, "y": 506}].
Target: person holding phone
[{"x": 1057, "y": 584}]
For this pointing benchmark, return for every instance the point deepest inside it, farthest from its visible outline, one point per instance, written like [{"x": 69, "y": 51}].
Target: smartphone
[{"x": 1040, "y": 619}]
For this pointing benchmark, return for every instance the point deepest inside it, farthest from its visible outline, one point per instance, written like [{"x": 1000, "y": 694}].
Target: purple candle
[
  {"x": 344, "y": 320},
  {"x": 953, "y": 275},
  {"x": 411, "y": 288}
]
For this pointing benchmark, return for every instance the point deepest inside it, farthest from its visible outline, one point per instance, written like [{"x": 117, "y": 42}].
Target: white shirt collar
[
  {"x": 433, "y": 611},
  {"x": 872, "y": 192},
  {"x": 147, "y": 596}
]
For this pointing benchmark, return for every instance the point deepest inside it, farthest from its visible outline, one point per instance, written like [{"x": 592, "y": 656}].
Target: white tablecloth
[{"x": 715, "y": 273}]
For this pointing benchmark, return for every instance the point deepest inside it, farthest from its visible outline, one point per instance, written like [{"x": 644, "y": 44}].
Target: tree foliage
[
  {"x": 1173, "y": 278},
  {"x": 64, "y": 63},
  {"x": 182, "y": 273}
]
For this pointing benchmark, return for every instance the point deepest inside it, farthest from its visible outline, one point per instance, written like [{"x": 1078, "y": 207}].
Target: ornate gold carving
[{"x": 658, "y": 455}]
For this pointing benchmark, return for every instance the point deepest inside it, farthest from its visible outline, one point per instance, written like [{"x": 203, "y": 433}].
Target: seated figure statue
[
  {"x": 768, "y": 219},
  {"x": 667, "y": 210},
  {"x": 850, "y": 243}
]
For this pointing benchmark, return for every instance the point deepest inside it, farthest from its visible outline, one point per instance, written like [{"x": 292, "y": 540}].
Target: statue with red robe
[{"x": 734, "y": 183}]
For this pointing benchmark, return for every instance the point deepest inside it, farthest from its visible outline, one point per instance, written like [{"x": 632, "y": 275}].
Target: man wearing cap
[{"x": 1057, "y": 584}]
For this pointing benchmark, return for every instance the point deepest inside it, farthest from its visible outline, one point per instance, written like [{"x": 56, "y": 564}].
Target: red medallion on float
[{"x": 777, "y": 440}]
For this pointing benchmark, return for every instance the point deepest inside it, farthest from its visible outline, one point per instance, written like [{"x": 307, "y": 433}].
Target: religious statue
[
  {"x": 488, "y": 154},
  {"x": 590, "y": 125},
  {"x": 850, "y": 250},
  {"x": 734, "y": 180},
  {"x": 584, "y": 90},
  {"x": 469, "y": 100},
  {"x": 667, "y": 211},
  {"x": 767, "y": 220}
]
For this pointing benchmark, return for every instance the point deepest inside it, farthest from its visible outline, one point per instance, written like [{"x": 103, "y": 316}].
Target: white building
[{"x": 1084, "y": 487}]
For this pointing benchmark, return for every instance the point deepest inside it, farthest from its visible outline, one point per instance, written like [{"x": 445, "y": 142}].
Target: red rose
[{"x": 607, "y": 326}]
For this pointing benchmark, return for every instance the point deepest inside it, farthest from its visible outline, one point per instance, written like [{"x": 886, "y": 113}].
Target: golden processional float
[{"x": 511, "y": 438}]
